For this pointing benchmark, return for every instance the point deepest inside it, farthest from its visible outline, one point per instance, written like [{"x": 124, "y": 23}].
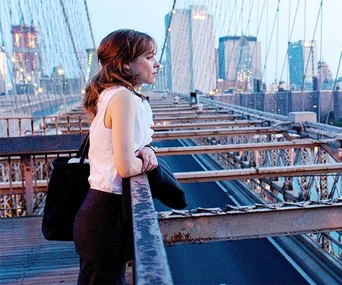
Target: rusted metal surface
[
  {"x": 256, "y": 221},
  {"x": 332, "y": 152},
  {"x": 151, "y": 266},
  {"x": 167, "y": 135},
  {"x": 237, "y": 147},
  {"x": 257, "y": 172}
]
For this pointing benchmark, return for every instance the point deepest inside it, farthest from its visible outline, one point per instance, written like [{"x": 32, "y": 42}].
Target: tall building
[
  {"x": 190, "y": 50},
  {"x": 26, "y": 57},
  {"x": 240, "y": 60},
  {"x": 302, "y": 64},
  {"x": 3, "y": 74},
  {"x": 324, "y": 79},
  {"x": 324, "y": 73}
]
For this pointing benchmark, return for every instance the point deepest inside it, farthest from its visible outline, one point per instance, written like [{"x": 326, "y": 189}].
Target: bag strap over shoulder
[{"x": 83, "y": 151}]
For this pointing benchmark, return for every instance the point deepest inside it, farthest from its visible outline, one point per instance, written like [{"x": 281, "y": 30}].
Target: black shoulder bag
[{"x": 67, "y": 188}]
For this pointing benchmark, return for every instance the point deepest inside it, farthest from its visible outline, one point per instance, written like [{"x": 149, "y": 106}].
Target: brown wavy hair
[{"x": 116, "y": 49}]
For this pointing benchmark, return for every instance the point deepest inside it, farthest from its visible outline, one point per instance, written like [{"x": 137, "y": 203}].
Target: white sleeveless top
[{"x": 103, "y": 173}]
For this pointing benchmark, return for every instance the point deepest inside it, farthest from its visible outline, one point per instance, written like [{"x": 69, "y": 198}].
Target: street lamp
[{"x": 60, "y": 71}]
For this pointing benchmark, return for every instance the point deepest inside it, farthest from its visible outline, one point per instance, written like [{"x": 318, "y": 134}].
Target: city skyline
[
  {"x": 149, "y": 17},
  {"x": 227, "y": 21},
  {"x": 190, "y": 64}
]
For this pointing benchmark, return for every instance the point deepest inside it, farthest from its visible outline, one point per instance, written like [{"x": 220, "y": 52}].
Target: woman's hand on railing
[{"x": 149, "y": 159}]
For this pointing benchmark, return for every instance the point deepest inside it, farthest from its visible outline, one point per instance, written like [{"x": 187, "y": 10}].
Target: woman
[{"x": 120, "y": 134}]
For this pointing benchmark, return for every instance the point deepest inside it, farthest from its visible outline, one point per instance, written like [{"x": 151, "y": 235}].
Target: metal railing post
[
  {"x": 27, "y": 177},
  {"x": 150, "y": 264}
]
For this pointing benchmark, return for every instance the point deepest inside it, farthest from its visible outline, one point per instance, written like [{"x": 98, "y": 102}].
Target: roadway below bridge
[{"x": 235, "y": 262}]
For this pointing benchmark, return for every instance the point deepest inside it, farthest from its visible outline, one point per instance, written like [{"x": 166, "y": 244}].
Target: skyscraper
[
  {"x": 190, "y": 50},
  {"x": 324, "y": 73},
  {"x": 302, "y": 64},
  {"x": 240, "y": 60},
  {"x": 26, "y": 61}
]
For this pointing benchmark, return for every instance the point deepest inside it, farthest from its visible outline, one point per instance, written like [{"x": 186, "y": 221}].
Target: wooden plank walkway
[{"x": 27, "y": 258}]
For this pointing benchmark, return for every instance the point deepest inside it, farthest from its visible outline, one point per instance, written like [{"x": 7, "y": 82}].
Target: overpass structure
[{"x": 287, "y": 170}]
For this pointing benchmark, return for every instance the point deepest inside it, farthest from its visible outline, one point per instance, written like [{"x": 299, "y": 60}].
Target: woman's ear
[{"x": 126, "y": 66}]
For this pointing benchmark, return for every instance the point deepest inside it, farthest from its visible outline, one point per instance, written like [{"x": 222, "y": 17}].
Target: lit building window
[
  {"x": 31, "y": 40},
  {"x": 18, "y": 57},
  {"x": 17, "y": 40},
  {"x": 199, "y": 15}
]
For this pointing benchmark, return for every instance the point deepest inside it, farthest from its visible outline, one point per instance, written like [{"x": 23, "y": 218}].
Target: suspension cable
[
  {"x": 310, "y": 52},
  {"x": 257, "y": 33},
  {"x": 89, "y": 22},
  {"x": 334, "y": 86},
  {"x": 167, "y": 31},
  {"x": 320, "y": 71},
  {"x": 243, "y": 45},
  {"x": 72, "y": 40},
  {"x": 268, "y": 48},
  {"x": 234, "y": 43},
  {"x": 289, "y": 39}
]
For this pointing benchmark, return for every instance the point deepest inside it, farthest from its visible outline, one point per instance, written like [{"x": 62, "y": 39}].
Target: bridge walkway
[{"x": 27, "y": 258}]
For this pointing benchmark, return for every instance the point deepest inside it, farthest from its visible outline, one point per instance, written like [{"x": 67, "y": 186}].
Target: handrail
[{"x": 150, "y": 265}]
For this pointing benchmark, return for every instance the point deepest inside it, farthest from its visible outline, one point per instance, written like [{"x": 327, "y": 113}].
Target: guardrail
[
  {"x": 27, "y": 197},
  {"x": 150, "y": 265}
]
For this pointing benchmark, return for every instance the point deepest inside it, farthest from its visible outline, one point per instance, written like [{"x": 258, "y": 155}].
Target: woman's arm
[
  {"x": 148, "y": 155},
  {"x": 121, "y": 112}
]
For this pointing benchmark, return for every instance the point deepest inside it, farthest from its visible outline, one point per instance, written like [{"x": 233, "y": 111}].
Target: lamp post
[{"x": 60, "y": 73}]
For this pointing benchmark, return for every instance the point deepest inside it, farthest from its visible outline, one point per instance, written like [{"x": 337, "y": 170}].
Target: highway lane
[{"x": 236, "y": 262}]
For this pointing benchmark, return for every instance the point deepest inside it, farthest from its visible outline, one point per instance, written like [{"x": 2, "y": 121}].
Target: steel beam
[
  {"x": 238, "y": 123},
  {"x": 168, "y": 135},
  {"x": 175, "y": 109},
  {"x": 258, "y": 172},
  {"x": 16, "y": 187},
  {"x": 76, "y": 128},
  {"x": 237, "y": 147},
  {"x": 209, "y": 225},
  {"x": 54, "y": 144},
  {"x": 332, "y": 152},
  {"x": 185, "y": 112},
  {"x": 169, "y": 104},
  {"x": 197, "y": 117}
]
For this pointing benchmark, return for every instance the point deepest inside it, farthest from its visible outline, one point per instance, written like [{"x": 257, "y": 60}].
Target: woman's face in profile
[{"x": 144, "y": 68}]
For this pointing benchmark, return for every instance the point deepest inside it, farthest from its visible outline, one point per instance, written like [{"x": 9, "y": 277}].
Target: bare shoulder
[{"x": 122, "y": 98}]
